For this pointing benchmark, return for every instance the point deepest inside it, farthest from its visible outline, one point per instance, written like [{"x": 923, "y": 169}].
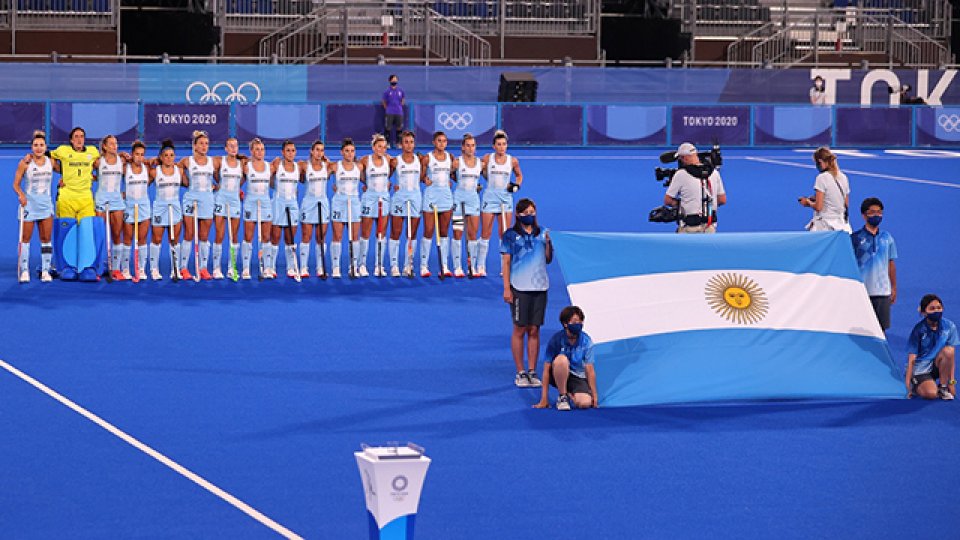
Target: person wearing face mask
[
  {"x": 931, "y": 353},
  {"x": 526, "y": 251},
  {"x": 876, "y": 253},
  {"x": 569, "y": 365},
  {"x": 831, "y": 197},
  {"x": 818, "y": 93},
  {"x": 393, "y": 101}
]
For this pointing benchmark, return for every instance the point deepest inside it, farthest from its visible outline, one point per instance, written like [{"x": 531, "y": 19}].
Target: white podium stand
[{"x": 392, "y": 479}]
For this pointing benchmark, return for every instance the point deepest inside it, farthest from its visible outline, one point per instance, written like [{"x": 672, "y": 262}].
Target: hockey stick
[
  {"x": 436, "y": 235},
  {"x": 296, "y": 265},
  {"x": 232, "y": 266},
  {"x": 503, "y": 219},
  {"x": 378, "y": 267},
  {"x": 259, "y": 243},
  {"x": 19, "y": 241},
  {"x": 463, "y": 211},
  {"x": 136, "y": 243},
  {"x": 109, "y": 242},
  {"x": 175, "y": 264},
  {"x": 323, "y": 241},
  {"x": 196, "y": 241},
  {"x": 352, "y": 272},
  {"x": 409, "y": 241}
]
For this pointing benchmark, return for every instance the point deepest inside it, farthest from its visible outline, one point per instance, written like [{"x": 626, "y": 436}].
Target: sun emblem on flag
[{"x": 737, "y": 298}]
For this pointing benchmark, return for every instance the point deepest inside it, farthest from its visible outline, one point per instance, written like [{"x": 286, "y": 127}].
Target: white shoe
[
  {"x": 335, "y": 274},
  {"x": 45, "y": 277},
  {"x": 217, "y": 273},
  {"x": 458, "y": 272},
  {"x": 305, "y": 273},
  {"x": 245, "y": 275},
  {"x": 362, "y": 272},
  {"x": 271, "y": 274},
  {"x": 24, "y": 277},
  {"x": 424, "y": 271},
  {"x": 126, "y": 275},
  {"x": 290, "y": 273},
  {"x": 481, "y": 271},
  {"x": 155, "y": 274},
  {"x": 394, "y": 272},
  {"x": 408, "y": 270}
]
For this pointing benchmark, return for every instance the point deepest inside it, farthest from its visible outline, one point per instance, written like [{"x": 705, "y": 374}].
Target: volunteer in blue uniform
[{"x": 568, "y": 366}]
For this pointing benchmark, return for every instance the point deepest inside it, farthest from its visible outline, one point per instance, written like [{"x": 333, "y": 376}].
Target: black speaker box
[{"x": 517, "y": 86}]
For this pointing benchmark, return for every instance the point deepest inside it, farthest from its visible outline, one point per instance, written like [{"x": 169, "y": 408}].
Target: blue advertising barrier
[{"x": 531, "y": 124}]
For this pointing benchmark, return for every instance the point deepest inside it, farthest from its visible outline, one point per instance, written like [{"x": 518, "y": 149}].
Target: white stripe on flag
[{"x": 633, "y": 306}]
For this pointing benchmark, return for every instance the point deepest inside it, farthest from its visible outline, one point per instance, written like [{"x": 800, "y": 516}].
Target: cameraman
[{"x": 698, "y": 190}]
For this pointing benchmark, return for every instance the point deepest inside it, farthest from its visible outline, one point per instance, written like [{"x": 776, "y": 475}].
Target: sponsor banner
[
  {"x": 455, "y": 121},
  {"x": 178, "y": 122},
  {"x": 543, "y": 124},
  {"x": 626, "y": 124},
  {"x": 788, "y": 125},
  {"x": 724, "y": 125},
  {"x": 358, "y": 121},
  {"x": 97, "y": 119},
  {"x": 858, "y": 126},
  {"x": 938, "y": 126},
  {"x": 276, "y": 123},
  {"x": 219, "y": 83},
  {"x": 20, "y": 120}
]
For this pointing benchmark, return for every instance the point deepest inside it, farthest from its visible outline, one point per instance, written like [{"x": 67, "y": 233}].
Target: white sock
[
  {"x": 482, "y": 246},
  {"x": 356, "y": 253},
  {"x": 363, "y": 251},
  {"x": 444, "y": 252},
  {"x": 457, "y": 248},
  {"x": 425, "y": 245},
  {"x": 305, "y": 256},
  {"x": 394, "y": 246},
  {"x": 268, "y": 256},
  {"x": 142, "y": 259},
  {"x": 46, "y": 254},
  {"x": 382, "y": 251},
  {"x": 185, "y": 247},
  {"x": 124, "y": 258},
  {"x": 24, "y": 257},
  {"x": 246, "y": 253},
  {"x": 291, "y": 259},
  {"x": 155, "y": 257},
  {"x": 472, "y": 253},
  {"x": 204, "y": 254},
  {"x": 335, "y": 249},
  {"x": 217, "y": 256},
  {"x": 117, "y": 255}
]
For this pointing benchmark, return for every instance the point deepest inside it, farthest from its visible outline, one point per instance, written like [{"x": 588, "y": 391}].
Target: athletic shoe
[
  {"x": 362, "y": 272},
  {"x": 271, "y": 274},
  {"x": 458, "y": 273},
  {"x": 185, "y": 274},
  {"x": 563, "y": 403},
  {"x": 521, "y": 380},
  {"x": 379, "y": 272},
  {"x": 424, "y": 271},
  {"x": 217, "y": 273},
  {"x": 126, "y": 275},
  {"x": 305, "y": 273},
  {"x": 447, "y": 272},
  {"x": 205, "y": 275},
  {"x": 245, "y": 275},
  {"x": 69, "y": 274},
  {"x": 944, "y": 394},
  {"x": 116, "y": 275},
  {"x": 394, "y": 272},
  {"x": 290, "y": 273},
  {"x": 320, "y": 274},
  {"x": 335, "y": 274},
  {"x": 24, "y": 277},
  {"x": 534, "y": 380},
  {"x": 46, "y": 277},
  {"x": 88, "y": 275},
  {"x": 408, "y": 270},
  {"x": 480, "y": 272},
  {"x": 142, "y": 274},
  {"x": 155, "y": 274}
]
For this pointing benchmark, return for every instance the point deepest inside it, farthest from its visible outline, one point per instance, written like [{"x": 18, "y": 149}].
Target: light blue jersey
[
  {"x": 258, "y": 192},
  {"x": 466, "y": 196},
  {"x": 38, "y": 179},
  {"x": 496, "y": 195},
  {"x": 228, "y": 190},
  {"x": 378, "y": 188},
  {"x": 346, "y": 201},
  {"x": 579, "y": 353},
  {"x": 168, "y": 197},
  {"x": 109, "y": 185},
  {"x": 199, "y": 195},
  {"x": 316, "y": 194},
  {"x": 528, "y": 259},
  {"x": 285, "y": 196},
  {"x": 438, "y": 193},
  {"x": 136, "y": 194},
  {"x": 408, "y": 184},
  {"x": 874, "y": 253}
]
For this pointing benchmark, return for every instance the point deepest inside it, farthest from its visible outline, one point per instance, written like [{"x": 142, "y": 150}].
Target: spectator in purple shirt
[{"x": 393, "y": 101}]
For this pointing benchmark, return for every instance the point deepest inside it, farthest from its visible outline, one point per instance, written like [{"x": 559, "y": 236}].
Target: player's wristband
[{"x": 513, "y": 187}]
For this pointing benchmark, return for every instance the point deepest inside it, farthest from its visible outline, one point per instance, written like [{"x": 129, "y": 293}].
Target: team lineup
[{"x": 376, "y": 199}]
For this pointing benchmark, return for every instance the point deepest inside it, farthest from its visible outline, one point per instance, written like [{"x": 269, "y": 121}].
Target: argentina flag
[{"x": 684, "y": 318}]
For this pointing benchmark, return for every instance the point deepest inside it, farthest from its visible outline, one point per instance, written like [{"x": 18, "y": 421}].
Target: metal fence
[
  {"x": 76, "y": 15},
  {"x": 804, "y": 39},
  {"x": 487, "y": 17},
  {"x": 333, "y": 30}
]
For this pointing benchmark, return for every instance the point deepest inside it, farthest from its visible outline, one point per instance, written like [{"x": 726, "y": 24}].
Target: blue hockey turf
[{"x": 264, "y": 389}]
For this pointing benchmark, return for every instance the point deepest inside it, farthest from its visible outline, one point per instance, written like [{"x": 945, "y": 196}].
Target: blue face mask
[
  {"x": 527, "y": 220},
  {"x": 575, "y": 328},
  {"x": 874, "y": 221},
  {"x": 935, "y": 316}
]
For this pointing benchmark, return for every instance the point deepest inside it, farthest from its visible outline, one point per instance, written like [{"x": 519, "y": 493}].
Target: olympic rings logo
[
  {"x": 949, "y": 122},
  {"x": 456, "y": 121},
  {"x": 222, "y": 92}
]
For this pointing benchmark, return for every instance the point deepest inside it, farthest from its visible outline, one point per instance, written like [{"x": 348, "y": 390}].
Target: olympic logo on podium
[
  {"x": 455, "y": 120},
  {"x": 950, "y": 123},
  {"x": 222, "y": 92}
]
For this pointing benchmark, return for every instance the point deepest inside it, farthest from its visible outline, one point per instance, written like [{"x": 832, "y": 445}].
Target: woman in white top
[
  {"x": 109, "y": 175},
  {"x": 36, "y": 205},
  {"x": 375, "y": 203},
  {"x": 136, "y": 179},
  {"x": 315, "y": 208},
  {"x": 832, "y": 195},
  {"x": 228, "y": 170}
]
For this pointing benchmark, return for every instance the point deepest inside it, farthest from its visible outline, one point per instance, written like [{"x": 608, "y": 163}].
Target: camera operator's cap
[{"x": 686, "y": 149}]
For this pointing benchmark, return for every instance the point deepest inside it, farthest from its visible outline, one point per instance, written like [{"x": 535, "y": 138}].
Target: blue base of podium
[{"x": 398, "y": 529}]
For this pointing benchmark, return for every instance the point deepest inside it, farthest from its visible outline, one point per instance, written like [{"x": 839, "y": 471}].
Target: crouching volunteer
[{"x": 569, "y": 365}]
